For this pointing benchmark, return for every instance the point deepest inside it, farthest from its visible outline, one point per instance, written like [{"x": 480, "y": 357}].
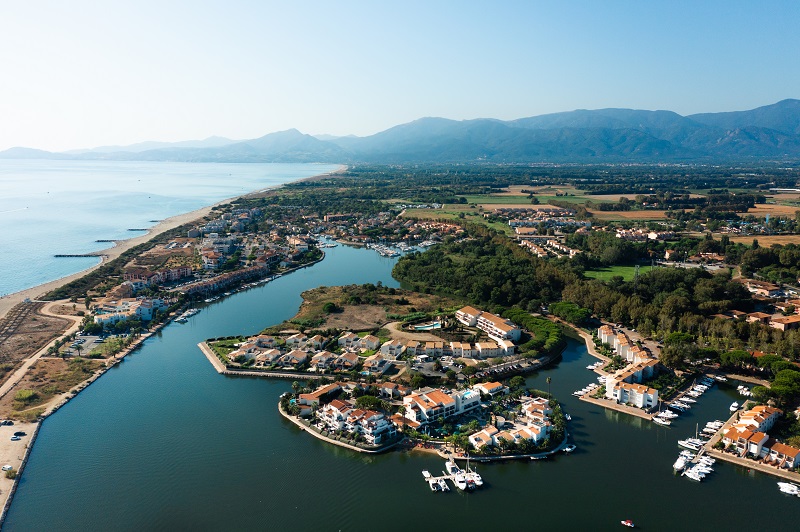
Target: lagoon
[{"x": 163, "y": 442}]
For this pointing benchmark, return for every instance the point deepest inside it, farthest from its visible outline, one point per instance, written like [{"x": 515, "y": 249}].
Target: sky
[{"x": 81, "y": 74}]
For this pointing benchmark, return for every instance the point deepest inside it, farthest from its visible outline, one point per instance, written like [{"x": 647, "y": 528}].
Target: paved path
[{"x": 17, "y": 376}]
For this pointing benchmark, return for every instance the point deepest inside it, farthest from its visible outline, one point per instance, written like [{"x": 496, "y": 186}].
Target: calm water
[
  {"x": 163, "y": 442},
  {"x": 62, "y": 207}
]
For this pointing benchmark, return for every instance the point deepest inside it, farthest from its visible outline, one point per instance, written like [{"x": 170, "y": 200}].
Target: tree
[
  {"x": 369, "y": 402},
  {"x": 517, "y": 382},
  {"x": 295, "y": 387},
  {"x": 548, "y": 380}
]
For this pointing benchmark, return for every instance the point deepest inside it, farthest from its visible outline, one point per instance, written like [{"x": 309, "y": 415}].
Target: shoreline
[{"x": 9, "y": 301}]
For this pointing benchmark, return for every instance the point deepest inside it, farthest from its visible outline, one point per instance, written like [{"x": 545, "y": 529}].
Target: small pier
[
  {"x": 138, "y": 229},
  {"x": 80, "y": 255}
]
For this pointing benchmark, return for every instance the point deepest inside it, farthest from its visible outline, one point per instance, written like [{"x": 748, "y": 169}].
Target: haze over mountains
[{"x": 771, "y": 132}]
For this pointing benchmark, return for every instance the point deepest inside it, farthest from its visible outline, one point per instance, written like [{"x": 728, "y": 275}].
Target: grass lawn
[{"x": 605, "y": 274}]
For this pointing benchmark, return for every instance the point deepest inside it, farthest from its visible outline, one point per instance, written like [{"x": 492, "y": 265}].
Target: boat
[
  {"x": 568, "y": 417},
  {"x": 426, "y": 474},
  {"x": 692, "y": 446},
  {"x": 688, "y": 400},
  {"x": 443, "y": 485},
  {"x": 473, "y": 475},
  {"x": 680, "y": 464},
  {"x": 668, "y": 414},
  {"x": 662, "y": 421},
  {"x": 628, "y": 523},
  {"x": 433, "y": 484},
  {"x": 569, "y": 448},
  {"x": 720, "y": 378},
  {"x": 452, "y": 467},
  {"x": 694, "y": 475},
  {"x": 734, "y": 406},
  {"x": 789, "y": 488}
]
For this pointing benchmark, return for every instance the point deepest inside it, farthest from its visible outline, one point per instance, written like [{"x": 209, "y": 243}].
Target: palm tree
[{"x": 548, "y": 380}]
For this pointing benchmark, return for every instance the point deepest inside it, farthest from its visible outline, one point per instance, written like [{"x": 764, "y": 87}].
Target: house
[
  {"x": 319, "y": 394},
  {"x": 760, "y": 418},
  {"x": 428, "y": 404},
  {"x": 266, "y": 341},
  {"x": 759, "y": 317},
  {"x": 745, "y": 441},
  {"x": 346, "y": 361},
  {"x": 293, "y": 358},
  {"x": 496, "y": 327},
  {"x": 484, "y": 437},
  {"x": 370, "y": 342},
  {"x": 393, "y": 348},
  {"x": 468, "y": 316},
  {"x": 268, "y": 357},
  {"x": 787, "y": 323},
  {"x": 334, "y": 415},
  {"x": 296, "y": 340},
  {"x": 376, "y": 364},
  {"x": 348, "y": 339},
  {"x": 323, "y": 360},
  {"x": 434, "y": 349},
  {"x": 490, "y": 388},
  {"x": 316, "y": 342},
  {"x": 392, "y": 390},
  {"x": 606, "y": 335},
  {"x": 784, "y": 455},
  {"x": 506, "y": 346},
  {"x": 636, "y": 394},
  {"x": 488, "y": 349}
]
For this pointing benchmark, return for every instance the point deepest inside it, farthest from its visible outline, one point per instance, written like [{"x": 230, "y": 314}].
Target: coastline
[{"x": 8, "y": 301}]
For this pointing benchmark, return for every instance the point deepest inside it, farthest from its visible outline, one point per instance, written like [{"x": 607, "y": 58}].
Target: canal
[{"x": 163, "y": 442}]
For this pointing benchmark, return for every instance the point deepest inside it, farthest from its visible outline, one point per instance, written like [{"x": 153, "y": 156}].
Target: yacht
[
  {"x": 687, "y": 400},
  {"x": 569, "y": 448},
  {"x": 720, "y": 378},
  {"x": 690, "y": 444},
  {"x": 694, "y": 475},
  {"x": 791, "y": 489},
  {"x": 734, "y": 406},
  {"x": 443, "y": 485},
  {"x": 628, "y": 523},
  {"x": 680, "y": 464},
  {"x": 668, "y": 414},
  {"x": 452, "y": 467},
  {"x": 433, "y": 484},
  {"x": 662, "y": 421}
]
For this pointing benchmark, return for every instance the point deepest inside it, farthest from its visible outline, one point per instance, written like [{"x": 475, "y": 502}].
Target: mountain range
[{"x": 771, "y": 132}]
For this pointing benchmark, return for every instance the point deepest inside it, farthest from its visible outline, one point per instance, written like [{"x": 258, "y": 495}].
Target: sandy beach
[{"x": 7, "y": 302}]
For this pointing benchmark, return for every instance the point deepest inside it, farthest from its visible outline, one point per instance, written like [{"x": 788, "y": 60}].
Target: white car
[{"x": 7, "y": 467}]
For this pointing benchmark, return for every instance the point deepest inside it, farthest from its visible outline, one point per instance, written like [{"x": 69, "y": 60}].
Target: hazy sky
[{"x": 78, "y": 74}]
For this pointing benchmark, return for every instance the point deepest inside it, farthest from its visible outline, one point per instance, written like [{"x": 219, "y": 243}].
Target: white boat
[
  {"x": 680, "y": 464},
  {"x": 433, "y": 484},
  {"x": 694, "y": 475},
  {"x": 569, "y": 448},
  {"x": 688, "y": 455},
  {"x": 791, "y": 489},
  {"x": 426, "y": 474},
  {"x": 628, "y": 523},
  {"x": 443, "y": 485},
  {"x": 661, "y": 421},
  {"x": 472, "y": 475},
  {"x": 720, "y": 378},
  {"x": 452, "y": 467},
  {"x": 691, "y": 445},
  {"x": 734, "y": 406},
  {"x": 668, "y": 414},
  {"x": 687, "y": 400}
]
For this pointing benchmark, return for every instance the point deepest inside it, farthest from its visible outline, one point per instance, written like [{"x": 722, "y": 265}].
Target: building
[
  {"x": 496, "y": 327},
  {"x": 490, "y": 388},
  {"x": 427, "y": 404}
]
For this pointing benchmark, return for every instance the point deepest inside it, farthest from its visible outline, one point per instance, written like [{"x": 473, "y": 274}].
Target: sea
[
  {"x": 164, "y": 442},
  {"x": 52, "y": 208}
]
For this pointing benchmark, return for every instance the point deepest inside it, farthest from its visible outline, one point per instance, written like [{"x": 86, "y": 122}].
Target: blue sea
[{"x": 63, "y": 207}]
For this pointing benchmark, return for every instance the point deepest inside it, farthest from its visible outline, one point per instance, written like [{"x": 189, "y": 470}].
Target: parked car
[
  {"x": 7, "y": 467},
  {"x": 15, "y": 438}
]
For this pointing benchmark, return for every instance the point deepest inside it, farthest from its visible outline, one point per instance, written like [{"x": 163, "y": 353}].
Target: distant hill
[{"x": 603, "y": 135}]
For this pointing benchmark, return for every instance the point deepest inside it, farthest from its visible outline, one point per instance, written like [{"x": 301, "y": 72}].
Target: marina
[{"x": 166, "y": 406}]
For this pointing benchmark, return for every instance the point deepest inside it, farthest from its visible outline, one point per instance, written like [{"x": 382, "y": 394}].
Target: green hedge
[{"x": 547, "y": 336}]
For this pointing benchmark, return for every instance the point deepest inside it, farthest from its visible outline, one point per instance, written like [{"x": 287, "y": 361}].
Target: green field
[
  {"x": 453, "y": 212},
  {"x": 605, "y": 274},
  {"x": 499, "y": 200}
]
